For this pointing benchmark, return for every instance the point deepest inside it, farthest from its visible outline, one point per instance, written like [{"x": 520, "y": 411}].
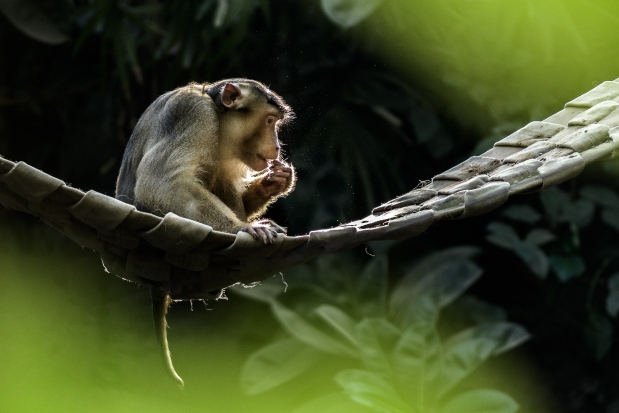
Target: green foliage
[
  {"x": 348, "y": 13},
  {"x": 397, "y": 359}
]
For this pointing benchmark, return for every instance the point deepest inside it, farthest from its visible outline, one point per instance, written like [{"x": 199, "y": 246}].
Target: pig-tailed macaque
[{"x": 208, "y": 152}]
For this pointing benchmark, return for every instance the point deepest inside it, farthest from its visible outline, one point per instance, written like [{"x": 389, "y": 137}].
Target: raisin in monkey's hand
[
  {"x": 264, "y": 229},
  {"x": 277, "y": 181}
]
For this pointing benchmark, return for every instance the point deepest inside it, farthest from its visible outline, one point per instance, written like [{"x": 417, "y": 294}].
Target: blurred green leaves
[
  {"x": 348, "y": 13},
  {"x": 398, "y": 361}
]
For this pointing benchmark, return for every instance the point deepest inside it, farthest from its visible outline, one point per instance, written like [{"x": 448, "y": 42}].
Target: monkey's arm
[
  {"x": 176, "y": 188},
  {"x": 265, "y": 189}
]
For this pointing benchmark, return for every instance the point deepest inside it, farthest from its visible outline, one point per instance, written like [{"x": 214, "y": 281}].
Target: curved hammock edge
[{"x": 197, "y": 262}]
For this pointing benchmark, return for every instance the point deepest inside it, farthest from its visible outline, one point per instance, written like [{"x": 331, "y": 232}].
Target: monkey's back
[{"x": 171, "y": 119}]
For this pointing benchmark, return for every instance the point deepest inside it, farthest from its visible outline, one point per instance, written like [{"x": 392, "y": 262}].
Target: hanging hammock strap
[{"x": 196, "y": 261}]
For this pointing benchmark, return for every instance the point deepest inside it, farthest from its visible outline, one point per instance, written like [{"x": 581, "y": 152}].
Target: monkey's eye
[{"x": 270, "y": 120}]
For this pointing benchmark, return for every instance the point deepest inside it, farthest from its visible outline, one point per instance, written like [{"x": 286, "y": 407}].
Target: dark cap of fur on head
[{"x": 273, "y": 99}]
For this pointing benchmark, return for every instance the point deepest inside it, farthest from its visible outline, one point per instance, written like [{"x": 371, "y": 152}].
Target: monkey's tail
[{"x": 161, "y": 302}]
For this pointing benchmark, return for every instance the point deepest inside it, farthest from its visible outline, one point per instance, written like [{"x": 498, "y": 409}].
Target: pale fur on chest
[{"x": 238, "y": 175}]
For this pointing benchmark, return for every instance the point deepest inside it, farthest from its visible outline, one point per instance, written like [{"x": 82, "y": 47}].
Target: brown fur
[{"x": 192, "y": 155}]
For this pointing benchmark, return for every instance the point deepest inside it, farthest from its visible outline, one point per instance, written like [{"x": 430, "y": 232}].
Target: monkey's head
[{"x": 250, "y": 118}]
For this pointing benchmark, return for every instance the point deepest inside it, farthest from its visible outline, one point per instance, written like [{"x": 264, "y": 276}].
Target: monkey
[{"x": 209, "y": 152}]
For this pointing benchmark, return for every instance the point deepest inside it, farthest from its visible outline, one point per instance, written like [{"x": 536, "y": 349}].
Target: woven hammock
[{"x": 198, "y": 262}]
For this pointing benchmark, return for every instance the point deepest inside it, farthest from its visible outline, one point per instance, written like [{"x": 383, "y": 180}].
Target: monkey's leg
[{"x": 161, "y": 302}]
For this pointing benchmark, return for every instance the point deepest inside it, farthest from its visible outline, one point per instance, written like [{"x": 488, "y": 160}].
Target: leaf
[
  {"x": 348, "y": 13},
  {"x": 522, "y": 213},
  {"x": 535, "y": 258},
  {"x": 579, "y": 212},
  {"x": 481, "y": 401},
  {"x": 331, "y": 403},
  {"x": 612, "y": 301},
  {"x": 339, "y": 320},
  {"x": 376, "y": 337},
  {"x": 599, "y": 334},
  {"x": 432, "y": 284},
  {"x": 478, "y": 310},
  {"x": 553, "y": 200},
  {"x": 567, "y": 266},
  {"x": 611, "y": 217},
  {"x": 371, "y": 390},
  {"x": 309, "y": 334},
  {"x": 561, "y": 208},
  {"x": 601, "y": 195},
  {"x": 539, "y": 236},
  {"x": 276, "y": 364},
  {"x": 466, "y": 351},
  {"x": 506, "y": 237},
  {"x": 418, "y": 347},
  {"x": 502, "y": 235},
  {"x": 371, "y": 287},
  {"x": 28, "y": 17}
]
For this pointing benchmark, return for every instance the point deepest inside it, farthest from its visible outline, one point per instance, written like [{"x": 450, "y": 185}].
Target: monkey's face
[
  {"x": 261, "y": 144},
  {"x": 251, "y": 121}
]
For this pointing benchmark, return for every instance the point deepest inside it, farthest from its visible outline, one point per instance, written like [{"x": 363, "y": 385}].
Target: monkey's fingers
[
  {"x": 275, "y": 162},
  {"x": 267, "y": 234},
  {"x": 279, "y": 179},
  {"x": 282, "y": 169},
  {"x": 285, "y": 174},
  {"x": 278, "y": 229},
  {"x": 250, "y": 230}
]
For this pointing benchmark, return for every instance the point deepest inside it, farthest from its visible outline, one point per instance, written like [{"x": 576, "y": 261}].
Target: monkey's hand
[
  {"x": 264, "y": 229},
  {"x": 277, "y": 181}
]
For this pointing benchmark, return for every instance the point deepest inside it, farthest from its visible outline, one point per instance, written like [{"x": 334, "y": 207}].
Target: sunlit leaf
[
  {"x": 376, "y": 337},
  {"x": 481, "y": 401},
  {"x": 432, "y": 284},
  {"x": 309, "y": 334},
  {"x": 418, "y": 347},
  {"x": 371, "y": 390},
  {"x": 612, "y": 301},
  {"x": 339, "y": 321},
  {"x": 276, "y": 364},
  {"x": 466, "y": 351},
  {"x": 220, "y": 13},
  {"x": 348, "y": 13}
]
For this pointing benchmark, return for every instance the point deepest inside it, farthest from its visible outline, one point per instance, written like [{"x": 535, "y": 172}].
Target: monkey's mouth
[{"x": 263, "y": 162}]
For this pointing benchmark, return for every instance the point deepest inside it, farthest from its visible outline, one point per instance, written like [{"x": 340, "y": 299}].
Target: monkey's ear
[{"x": 230, "y": 95}]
